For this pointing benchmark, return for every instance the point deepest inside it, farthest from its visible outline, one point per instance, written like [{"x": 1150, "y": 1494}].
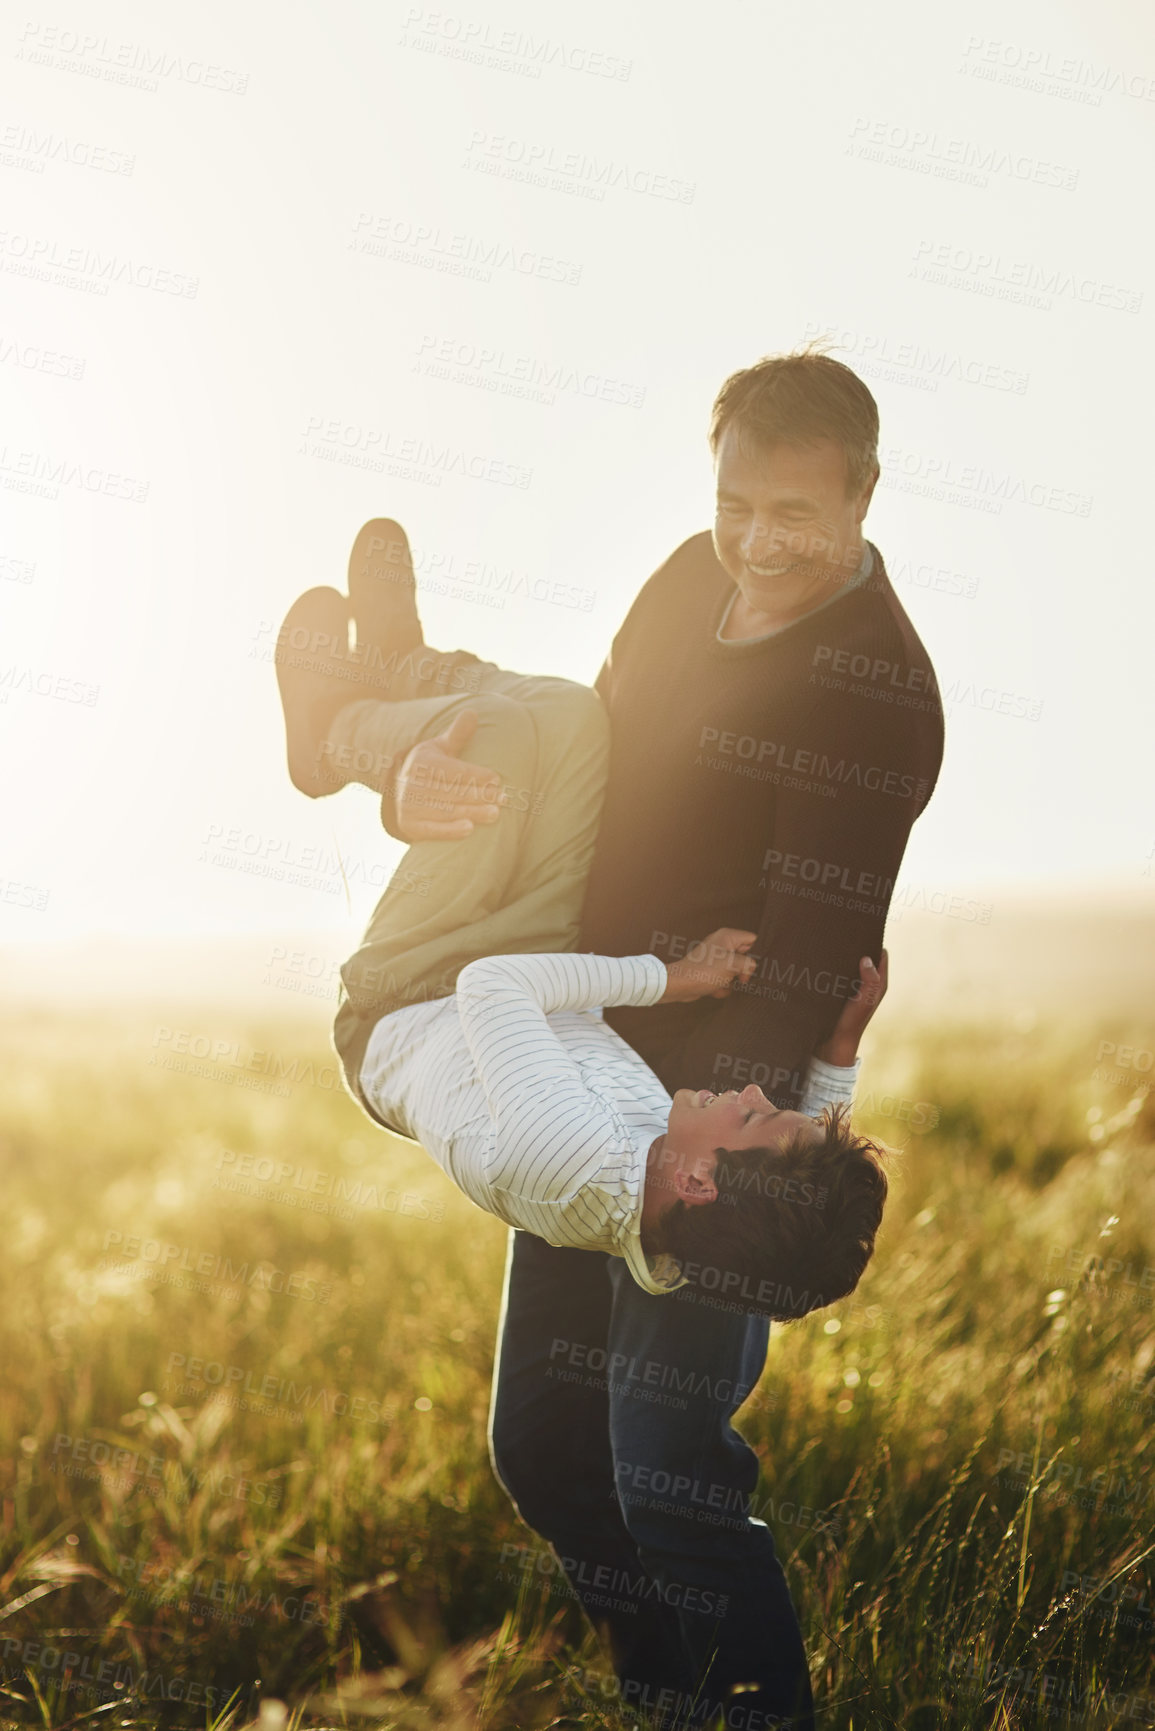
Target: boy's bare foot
[{"x": 317, "y": 676}]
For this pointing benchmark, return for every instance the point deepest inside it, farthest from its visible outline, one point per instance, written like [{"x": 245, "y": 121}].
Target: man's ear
[{"x": 868, "y": 495}]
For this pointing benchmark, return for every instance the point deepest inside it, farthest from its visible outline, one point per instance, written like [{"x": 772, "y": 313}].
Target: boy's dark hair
[
  {"x": 793, "y": 1227},
  {"x": 796, "y": 399}
]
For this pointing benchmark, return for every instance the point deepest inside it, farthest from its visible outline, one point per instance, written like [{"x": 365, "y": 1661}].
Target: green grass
[{"x": 309, "y": 1514}]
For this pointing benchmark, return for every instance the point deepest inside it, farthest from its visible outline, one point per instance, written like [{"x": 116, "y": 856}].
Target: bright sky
[{"x": 957, "y": 203}]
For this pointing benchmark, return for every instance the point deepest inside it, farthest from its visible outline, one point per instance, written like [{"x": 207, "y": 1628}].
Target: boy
[{"x": 500, "y": 1064}]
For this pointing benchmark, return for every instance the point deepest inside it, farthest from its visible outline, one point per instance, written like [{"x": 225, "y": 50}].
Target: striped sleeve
[
  {"x": 828, "y": 1085},
  {"x": 551, "y": 1134}
]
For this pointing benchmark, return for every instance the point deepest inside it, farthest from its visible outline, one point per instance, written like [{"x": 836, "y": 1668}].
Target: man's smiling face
[{"x": 784, "y": 528}]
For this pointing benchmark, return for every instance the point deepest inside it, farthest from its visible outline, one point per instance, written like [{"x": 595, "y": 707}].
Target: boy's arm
[{"x": 552, "y": 1135}]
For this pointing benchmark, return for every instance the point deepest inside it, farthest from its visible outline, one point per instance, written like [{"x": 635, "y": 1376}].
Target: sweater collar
[{"x": 731, "y": 645}]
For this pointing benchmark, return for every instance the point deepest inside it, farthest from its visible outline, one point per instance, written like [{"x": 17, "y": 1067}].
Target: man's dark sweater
[{"x": 769, "y": 785}]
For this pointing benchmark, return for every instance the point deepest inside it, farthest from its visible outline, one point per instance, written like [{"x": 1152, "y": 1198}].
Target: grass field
[{"x": 247, "y": 1342}]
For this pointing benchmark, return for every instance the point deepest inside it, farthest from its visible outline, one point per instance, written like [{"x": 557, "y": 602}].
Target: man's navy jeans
[{"x": 610, "y": 1429}]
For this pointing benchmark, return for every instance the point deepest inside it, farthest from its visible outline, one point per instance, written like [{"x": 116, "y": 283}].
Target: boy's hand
[
  {"x": 842, "y": 1046},
  {"x": 439, "y": 796},
  {"x": 710, "y": 967}
]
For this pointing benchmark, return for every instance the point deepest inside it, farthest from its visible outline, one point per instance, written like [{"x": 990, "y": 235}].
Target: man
[{"x": 775, "y": 729}]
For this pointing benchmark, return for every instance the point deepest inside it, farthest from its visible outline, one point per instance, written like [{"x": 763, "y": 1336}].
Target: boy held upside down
[{"x": 470, "y": 1022}]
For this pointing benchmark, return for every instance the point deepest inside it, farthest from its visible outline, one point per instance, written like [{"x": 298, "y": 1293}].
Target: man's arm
[
  {"x": 828, "y": 1085},
  {"x": 431, "y": 793},
  {"x": 833, "y": 1071},
  {"x": 828, "y": 876}
]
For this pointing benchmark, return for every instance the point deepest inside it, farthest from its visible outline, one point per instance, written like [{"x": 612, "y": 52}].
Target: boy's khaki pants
[{"x": 510, "y": 887}]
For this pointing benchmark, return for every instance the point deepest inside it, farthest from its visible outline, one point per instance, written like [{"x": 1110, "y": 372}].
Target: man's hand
[
  {"x": 710, "y": 967},
  {"x": 440, "y": 797},
  {"x": 842, "y": 1046}
]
